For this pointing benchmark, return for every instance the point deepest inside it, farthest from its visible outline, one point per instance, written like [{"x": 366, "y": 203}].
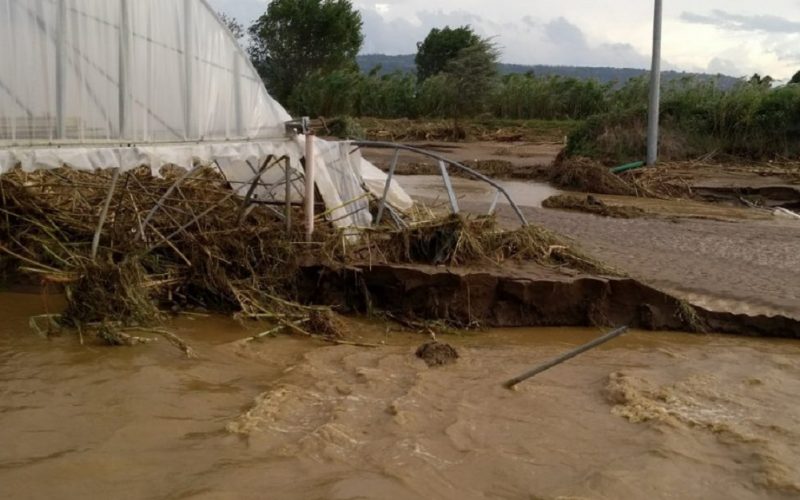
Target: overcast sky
[{"x": 735, "y": 37}]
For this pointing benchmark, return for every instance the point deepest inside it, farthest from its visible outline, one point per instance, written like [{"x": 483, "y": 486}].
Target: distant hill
[{"x": 405, "y": 63}]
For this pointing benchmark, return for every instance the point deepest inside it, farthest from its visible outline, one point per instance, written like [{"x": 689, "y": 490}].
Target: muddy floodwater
[
  {"x": 650, "y": 415},
  {"x": 432, "y": 189}
]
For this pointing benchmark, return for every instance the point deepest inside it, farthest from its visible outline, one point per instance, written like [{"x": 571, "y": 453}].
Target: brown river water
[{"x": 650, "y": 415}]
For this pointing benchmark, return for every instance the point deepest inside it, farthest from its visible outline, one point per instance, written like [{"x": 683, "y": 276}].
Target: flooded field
[
  {"x": 651, "y": 415},
  {"x": 431, "y": 189}
]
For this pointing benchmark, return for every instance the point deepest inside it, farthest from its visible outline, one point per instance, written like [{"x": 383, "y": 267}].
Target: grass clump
[{"x": 583, "y": 174}]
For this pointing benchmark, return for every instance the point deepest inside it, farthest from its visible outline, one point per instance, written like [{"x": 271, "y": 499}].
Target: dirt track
[{"x": 743, "y": 267}]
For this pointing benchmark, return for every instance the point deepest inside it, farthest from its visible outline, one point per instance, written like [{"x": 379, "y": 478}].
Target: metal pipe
[
  {"x": 288, "y": 195},
  {"x": 382, "y": 204},
  {"x": 309, "y": 194},
  {"x": 448, "y": 185},
  {"x": 472, "y": 172},
  {"x": 104, "y": 213},
  {"x": 124, "y": 59},
  {"x": 253, "y": 187},
  {"x": 61, "y": 61},
  {"x": 566, "y": 356},
  {"x": 167, "y": 194},
  {"x": 655, "y": 89},
  {"x": 496, "y": 199}
]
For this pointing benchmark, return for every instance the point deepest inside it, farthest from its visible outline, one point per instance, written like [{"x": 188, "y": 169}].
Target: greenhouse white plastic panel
[{"x": 126, "y": 72}]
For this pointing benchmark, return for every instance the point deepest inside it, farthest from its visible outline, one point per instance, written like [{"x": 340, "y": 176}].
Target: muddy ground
[{"x": 722, "y": 255}]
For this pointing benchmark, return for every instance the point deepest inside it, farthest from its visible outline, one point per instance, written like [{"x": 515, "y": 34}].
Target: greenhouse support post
[{"x": 309, "y": 194}]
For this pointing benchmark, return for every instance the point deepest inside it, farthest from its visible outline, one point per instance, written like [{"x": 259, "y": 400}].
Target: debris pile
[
  {"x": 589, "y": 176},
  {"x": 164, "y": 248}
]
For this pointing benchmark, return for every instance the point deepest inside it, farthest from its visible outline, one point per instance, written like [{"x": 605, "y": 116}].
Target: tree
[
  {"x": 463, "y": 88},
  {"x": 234, "y": 26},
  {"x": 296, "y": 38},
  {"x": 440, "y": 47},
  {"x": 795, "y": 79},
  {"x": 759, "y": 81}
]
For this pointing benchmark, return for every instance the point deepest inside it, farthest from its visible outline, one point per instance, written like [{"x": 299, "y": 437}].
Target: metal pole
[
  {"x": 288, "y": 195},
  {"x": 61, "y": 55},
  {"x": 124, "y": 58},
  {"x": 382, "y": 204},
  {"x": 309, "y": 195},
  {"x": 463, "y": 168},
  {"x": 188, "y": 97},
  {"x": 655, "y": 89},
  {"x": 449, "y": 186},
  {"x": 564, "y": 357}
]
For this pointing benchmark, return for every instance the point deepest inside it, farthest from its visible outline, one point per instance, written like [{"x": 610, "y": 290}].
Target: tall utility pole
[{"x": 655, "y": 89}]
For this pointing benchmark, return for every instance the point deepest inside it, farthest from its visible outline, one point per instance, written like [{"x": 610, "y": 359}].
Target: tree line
[{"x": 305, "y": 50}]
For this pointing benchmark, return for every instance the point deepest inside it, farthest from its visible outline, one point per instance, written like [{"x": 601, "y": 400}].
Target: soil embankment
[{"x": 528, "y": 295}]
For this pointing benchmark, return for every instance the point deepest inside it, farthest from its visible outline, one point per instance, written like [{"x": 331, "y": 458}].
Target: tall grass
[
  {"x": 699, "y": 117},
  {"x": 749, "y": 120}
]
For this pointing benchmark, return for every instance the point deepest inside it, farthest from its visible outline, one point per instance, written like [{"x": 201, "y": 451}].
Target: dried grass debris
[{"x": 592, "y": 205}]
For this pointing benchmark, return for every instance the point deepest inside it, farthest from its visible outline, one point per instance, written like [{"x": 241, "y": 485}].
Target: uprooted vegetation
[
  {"x": 592, "y": 205},
  {"x": 583, "y": 174},
  {"x": 590, "y": 176},
  {"x": 197, "y": 247},
  {"x": 437, "y": 129}
]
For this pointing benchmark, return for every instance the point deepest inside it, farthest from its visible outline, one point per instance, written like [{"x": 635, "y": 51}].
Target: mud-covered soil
[
  {"x": 725, "y": 255},
  {"x": 746, "y": 266},
  {"x": 523, "y": 295},
  {"x": 522, "y": 160},
  {"x": 592, "y": 205},
  {"x": 765, "y": 184}
]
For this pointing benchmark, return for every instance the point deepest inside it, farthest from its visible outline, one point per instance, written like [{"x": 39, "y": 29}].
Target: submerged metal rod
[{"x": 566, "y": 356}]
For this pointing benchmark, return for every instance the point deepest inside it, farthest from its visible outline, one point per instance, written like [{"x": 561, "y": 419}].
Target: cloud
[
  {"x": 737, "y": 22},
  {"x": 394, "y": 36},
  {"x": 529, "y": 41},
  {"x": 565, "y": 43},
  {"x": 721, "y": 66}
]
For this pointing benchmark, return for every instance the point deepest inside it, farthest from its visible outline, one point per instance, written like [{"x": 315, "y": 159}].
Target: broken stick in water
[{"x": 566, "y": 356}]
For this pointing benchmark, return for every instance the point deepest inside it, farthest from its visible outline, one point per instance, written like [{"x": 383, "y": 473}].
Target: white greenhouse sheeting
[
  {"x": 96, "y": 84},
  {"x": 126, "y": 71}
]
